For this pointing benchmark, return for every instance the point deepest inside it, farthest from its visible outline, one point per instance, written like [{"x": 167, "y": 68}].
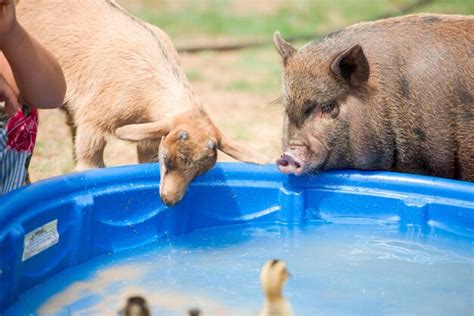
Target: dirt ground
[{"x": 237, "y": 89}]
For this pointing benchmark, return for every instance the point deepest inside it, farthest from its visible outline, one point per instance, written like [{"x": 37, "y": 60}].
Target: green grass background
[{"x": 208, "y": 18}]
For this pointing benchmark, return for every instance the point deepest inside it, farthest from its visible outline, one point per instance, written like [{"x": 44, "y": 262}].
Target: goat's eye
[
  {"x": 183, "y": 135},
  {"x": 328, "y": 107},
  {"x": 309, "y": 108}
]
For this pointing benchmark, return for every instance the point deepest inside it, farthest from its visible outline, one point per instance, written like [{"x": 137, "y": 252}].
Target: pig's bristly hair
[{"x": 312, "y": 174}]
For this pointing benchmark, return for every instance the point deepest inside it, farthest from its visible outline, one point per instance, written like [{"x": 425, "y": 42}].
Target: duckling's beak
[{"x": 288, "y": 273}]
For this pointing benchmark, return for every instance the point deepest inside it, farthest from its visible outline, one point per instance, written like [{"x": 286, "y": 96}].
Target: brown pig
[
  {"x": 124, "y": 79},
  {"x": 395, "y": 94}
]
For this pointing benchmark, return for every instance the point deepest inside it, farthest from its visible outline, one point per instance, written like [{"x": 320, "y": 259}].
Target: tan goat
[{"x": 124, "y": 79}]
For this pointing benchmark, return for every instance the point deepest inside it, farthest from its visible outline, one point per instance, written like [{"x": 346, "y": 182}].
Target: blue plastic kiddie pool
[{"x": 356, "y": 243}]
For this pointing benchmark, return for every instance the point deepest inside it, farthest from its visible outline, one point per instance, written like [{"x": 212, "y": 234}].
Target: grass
[
  {"x": 260, "y": 71},
  {"x": 220, "y": 18},
  {"x": 291, "y": 18},
  {"x": 450, "y": 7},
  {"x": 193, "y": 74},
  {"x": 240, "y": 85}
]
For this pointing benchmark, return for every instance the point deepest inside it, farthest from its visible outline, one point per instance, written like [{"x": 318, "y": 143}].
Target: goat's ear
[
  {"x": 352, "y": 66},
  {"x": 144, "y": 131},
  {"x": 283, "y": 47},
  {"x": 240, "y": 152}
]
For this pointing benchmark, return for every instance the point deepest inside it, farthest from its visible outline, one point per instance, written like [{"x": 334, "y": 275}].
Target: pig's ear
[
  {"x": 283, "y": 47},
  {"x": 239, "y": 152},
  {"x": 352, "y": 66},
  {"x": 144, "y": 131}
]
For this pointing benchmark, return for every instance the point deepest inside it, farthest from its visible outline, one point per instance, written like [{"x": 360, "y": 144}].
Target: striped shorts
[{"x": 17, "y": 141}]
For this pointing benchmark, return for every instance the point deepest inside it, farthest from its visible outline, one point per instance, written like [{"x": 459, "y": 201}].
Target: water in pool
[{"x": 346, "y": 267}]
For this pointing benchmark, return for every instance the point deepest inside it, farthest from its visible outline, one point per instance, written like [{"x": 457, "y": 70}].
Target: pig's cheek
[
  {"x": 285, "y": 135},
  {"x": 318, "y": 152}
]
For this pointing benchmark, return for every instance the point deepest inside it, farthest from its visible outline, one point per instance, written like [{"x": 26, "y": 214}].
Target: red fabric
[{"x": 21, "y": 130}]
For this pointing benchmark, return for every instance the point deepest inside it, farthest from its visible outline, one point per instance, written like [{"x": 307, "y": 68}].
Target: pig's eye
[
  {"x": 328, "y": 107},
  {"x": 309, "y": 108}
]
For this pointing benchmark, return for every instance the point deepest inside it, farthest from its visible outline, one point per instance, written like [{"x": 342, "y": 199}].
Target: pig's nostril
[
  {"x": 283, "y": 163},
  {"x": 297, "y": 165}
]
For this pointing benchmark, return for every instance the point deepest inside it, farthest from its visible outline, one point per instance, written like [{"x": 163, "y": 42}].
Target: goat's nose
[
  {"x": 170, "y": 198},
  {"x": 288, "y": 163}
]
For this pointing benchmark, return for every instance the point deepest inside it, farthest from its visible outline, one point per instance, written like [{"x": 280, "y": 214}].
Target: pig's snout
[{"x": 288, "y": 163}]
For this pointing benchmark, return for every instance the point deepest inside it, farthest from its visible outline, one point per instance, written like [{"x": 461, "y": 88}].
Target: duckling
[
  {"x": 136, "y": 306},
  {"x": 272, "y": 278},
  {"x": 194, "y": 312}
]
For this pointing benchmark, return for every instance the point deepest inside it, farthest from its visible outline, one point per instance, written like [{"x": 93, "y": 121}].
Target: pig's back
[
  {"x": 418, "y": 44},
  {"x": 428, "y": 48},
  {"x": 424, "y": 61}
]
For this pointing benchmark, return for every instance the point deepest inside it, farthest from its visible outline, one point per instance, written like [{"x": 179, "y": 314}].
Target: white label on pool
[{"x": 40, "y": 239}]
